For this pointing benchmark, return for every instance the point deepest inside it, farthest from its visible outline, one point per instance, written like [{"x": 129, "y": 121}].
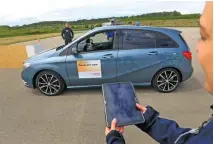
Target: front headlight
[{"x": 26, "y": 65}]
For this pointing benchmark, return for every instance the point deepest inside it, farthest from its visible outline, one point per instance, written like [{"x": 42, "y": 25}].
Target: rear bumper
[{"x": 187, "y": 73}]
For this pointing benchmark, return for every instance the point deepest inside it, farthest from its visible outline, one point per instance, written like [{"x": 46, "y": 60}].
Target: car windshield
[{"x": 86, "y": 33}]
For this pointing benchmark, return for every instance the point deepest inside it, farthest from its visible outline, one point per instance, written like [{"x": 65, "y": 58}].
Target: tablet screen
[{"x": 120, "y": 103}]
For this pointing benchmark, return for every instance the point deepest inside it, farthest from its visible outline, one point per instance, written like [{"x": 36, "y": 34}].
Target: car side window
[
  {"x": 138, "y": 39},
  {"x": 164, "y": 41},
  {"x": 98, "y": 42},
  {"x": 68, "y": 50}
]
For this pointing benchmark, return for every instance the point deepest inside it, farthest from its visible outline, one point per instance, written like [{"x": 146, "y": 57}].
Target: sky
[{"x": 19, "y": 12}]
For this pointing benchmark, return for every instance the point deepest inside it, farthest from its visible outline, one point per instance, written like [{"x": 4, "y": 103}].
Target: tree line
[{"x": 84, "y": 24}]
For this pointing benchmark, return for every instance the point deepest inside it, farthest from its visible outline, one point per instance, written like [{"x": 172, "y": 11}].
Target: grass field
[
  {"x": 18, "y": 39},
  {"x": 171, "y": 23},
  {"x": 157, "y": 23}
]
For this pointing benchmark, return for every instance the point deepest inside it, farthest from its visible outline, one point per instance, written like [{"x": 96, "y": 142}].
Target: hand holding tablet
[{"x": 120, "y": 103}]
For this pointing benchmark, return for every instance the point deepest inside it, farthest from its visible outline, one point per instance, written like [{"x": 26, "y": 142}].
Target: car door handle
[
  {"x": 108, "y": 56},
  {"x": 153, "y": 53}
]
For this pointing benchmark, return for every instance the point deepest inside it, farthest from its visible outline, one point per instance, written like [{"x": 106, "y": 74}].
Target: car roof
[{"x": 118, "y": 27}]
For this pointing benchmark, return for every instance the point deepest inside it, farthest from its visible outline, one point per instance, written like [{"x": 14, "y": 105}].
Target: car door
[
  {"x": 93, "y": 67},
  {"x": 138, "y": 57}
]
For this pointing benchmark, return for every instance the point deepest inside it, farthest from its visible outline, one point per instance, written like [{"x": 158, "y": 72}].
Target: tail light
[{"x": 188, "y": 55}]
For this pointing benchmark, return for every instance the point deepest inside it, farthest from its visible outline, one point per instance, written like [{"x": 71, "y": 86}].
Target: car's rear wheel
[
  {"x": 166, "y": 80},
  {"x": 50, "y": 83}
]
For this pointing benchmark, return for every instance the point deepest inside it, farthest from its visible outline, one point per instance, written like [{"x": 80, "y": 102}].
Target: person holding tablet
[{"x": 167, "y": 131}]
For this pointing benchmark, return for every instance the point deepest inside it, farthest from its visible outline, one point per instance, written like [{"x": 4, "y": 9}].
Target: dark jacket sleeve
[
  {"x": 72, "y": 33},
  {"x": 162, "y": 130},
  {"x": 62, "y": 33},
  {"x": 114, "y": 137}
]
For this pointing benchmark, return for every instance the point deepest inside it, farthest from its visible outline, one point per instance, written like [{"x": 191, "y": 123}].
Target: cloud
[
  {"x": 66, "y": 10},
  {"x": 27, "y": 20}
]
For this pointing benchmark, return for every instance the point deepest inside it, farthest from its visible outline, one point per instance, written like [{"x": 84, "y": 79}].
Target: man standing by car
[
  {"x": 67, "y": 34},
  {"x": 167, "y": 131}
]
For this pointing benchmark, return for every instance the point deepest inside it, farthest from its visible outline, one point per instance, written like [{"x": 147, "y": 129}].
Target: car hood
[{"x": 42, "y": 55}]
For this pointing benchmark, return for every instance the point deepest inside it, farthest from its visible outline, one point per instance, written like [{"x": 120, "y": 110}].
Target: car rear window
[
  {"x": 164, "y": 41},
  {"x": 183, "y": 39},
  {"x": 141, "y": 39}
]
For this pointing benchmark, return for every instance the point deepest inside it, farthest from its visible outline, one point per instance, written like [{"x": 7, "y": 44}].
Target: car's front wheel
[
  {"x": 166, "y": 80},
  {"x": 50, "y": 83}
]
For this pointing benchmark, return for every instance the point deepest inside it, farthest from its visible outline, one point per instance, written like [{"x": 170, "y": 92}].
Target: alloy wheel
[
  {"x": 49, "y": 84},
  {"x": 167, "y": 80}
]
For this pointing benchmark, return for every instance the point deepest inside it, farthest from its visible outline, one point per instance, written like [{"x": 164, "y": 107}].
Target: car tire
[
  {"x": 50, "y": 83},
  {"x": 166, "y": 80}
]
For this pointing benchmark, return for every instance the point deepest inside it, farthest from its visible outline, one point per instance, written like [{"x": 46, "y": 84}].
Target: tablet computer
[{"x": 120, "y": 102}]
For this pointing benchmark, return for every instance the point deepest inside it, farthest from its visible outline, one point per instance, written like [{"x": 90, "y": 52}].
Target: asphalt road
[{"x": 77, "y": 116}]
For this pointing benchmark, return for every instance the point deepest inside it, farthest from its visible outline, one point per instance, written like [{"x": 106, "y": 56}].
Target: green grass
[
  {"x": 170, "y": 23},
  {"x": 18, "y": 39},
  {"x": 22, "y": 31},
  {"x": 27, "y": 31}
]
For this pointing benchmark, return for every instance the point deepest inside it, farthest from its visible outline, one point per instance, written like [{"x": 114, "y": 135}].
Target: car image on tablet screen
[{"x": 145, "y": 56}]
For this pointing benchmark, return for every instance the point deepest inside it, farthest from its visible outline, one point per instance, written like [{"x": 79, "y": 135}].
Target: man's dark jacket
[
  {"x": 67, "y": 34},
  {"x": 166, "y": 131}
]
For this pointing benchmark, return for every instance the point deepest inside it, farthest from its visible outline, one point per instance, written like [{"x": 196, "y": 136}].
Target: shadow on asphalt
[
  {"x": 187, "y": 86},
  {"x": 190, "y": 85}
]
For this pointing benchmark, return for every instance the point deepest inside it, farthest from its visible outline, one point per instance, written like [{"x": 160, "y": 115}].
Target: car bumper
[
  {"x": 27, "y": 78},
  {"x": 187, "y": 74},
  {"x": 26, "y": 84}
]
